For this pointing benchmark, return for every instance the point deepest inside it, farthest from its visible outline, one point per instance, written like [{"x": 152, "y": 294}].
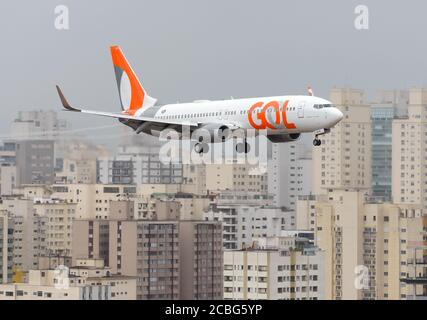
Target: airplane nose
[
  {"x": 336, "y": 115},
  {"x": 340, "y": 115}
]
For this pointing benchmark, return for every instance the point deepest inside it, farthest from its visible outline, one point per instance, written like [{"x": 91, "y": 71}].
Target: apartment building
[
  {"x": 59, "y": 216},
  {"x": 189, "y": 206},
  {"x": 7, "y": 167},
  {"x": 278, "y": 268},
  {"x": 92, "y": 200},
  {"x": 240, "y": 197},
  {"x": 88, "y": 280},
  {"x": 76, "y": 171},
  {"x": 289, "y": 173},
  {"x": 242, "y": 223},
  {"x": 153, "y": 251},
  {"x": 201, "y": 266},
  {"x": 367, "y": 245},
  {"x": 194, "y": 179},
  {"x": 147, "y": 250},
  {"x": 96, "y": 273},
  {"x": 344, "y": 159},
  {"x": 387, "y": 106},
  {"x": 6, "y": 246},
  {"x": 409, "y": 163},
  {"x": 29, "y": 236},
  {"x": 138, "y": 165},
  {"x": 38, "y": 124},
  {"x": 233, "y": 176},
  {"x": 34, "y": 162},
  {"x": 7, "y": 178},
  {"x": 76, "y": 161}
]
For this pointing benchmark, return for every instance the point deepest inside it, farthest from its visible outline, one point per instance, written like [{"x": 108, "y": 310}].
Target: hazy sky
[{"x": 194, "y": 49}]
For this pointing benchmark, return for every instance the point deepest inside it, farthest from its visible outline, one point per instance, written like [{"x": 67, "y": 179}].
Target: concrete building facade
[
  {"x": 34, "y": 162},
  {"x": 242, "y": 223},
  {"x": 289, "y": 173},
  {"x": 344, "y": 159},
  {"x": 286, "y": 268}
]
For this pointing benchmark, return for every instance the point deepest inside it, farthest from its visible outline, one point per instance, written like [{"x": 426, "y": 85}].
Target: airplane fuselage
[{"x": 278, "y": 115}]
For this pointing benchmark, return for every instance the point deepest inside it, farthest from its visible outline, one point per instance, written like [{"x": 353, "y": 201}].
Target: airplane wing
[{"x": 132, "y": 121}]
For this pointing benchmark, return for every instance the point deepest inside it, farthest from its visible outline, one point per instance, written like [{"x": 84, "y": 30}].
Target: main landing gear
[
  {"x": 317, "y": 142},
  {"x": 201, "y": 148},
  {"x": 243, "y": 147}
]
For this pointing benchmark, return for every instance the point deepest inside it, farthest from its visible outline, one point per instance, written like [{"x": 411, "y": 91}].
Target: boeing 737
[{"x": 283, "y": 118}]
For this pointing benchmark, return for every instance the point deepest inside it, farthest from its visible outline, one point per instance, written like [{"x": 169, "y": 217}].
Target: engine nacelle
[
  {"x": 284, "y": 137},
  {"x": 217, "y": 132}
]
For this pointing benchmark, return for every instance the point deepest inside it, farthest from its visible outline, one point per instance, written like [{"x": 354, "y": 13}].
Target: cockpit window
[{"x": 320, "y": 106}]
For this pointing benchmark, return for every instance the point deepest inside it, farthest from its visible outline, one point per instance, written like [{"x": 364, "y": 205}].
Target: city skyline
[{"x": 319, "y": 224}]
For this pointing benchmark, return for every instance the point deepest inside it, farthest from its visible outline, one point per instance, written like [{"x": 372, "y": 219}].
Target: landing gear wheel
[
  {"x": 243, "y": 147},
  {"x": 201, "y": 148},
  {"x": 317, "y": 142}
]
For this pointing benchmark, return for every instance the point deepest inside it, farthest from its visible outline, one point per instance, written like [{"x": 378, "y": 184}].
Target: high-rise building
[
  {"x": 76, "y": 161},
  {"x": 194, "y": 178},
  {"x": 367, "y": 245},
  {"x": 148, "y": 250},
  {"x": 397, "y": 98},
  {"x": 29, "y": 237},
  {"x": 153, "y": 251},
  {"x": 409, "y": 164},
  {"x": 38, "y": 124},
  {"x": 34, "y": 162},
  {"x": 233, "y": 176},
  {"x": 200, "y": 260},
  {"x": 279, "y": 268},
  {"x": 93, "y": 200},
  {"x": 242, "y": 222},
  {"x": 7, "y": 168},
  {"x": 59, "y": 216},
  {"x": 388, "y": 105},
  {"x": 289, "y": 173},
  {"x": 344, "y": 158},
  {"x": 6, "y": 246},
  {"x": 137, "y": 165},
  {"x": 382, "y": 118},
  {"x": 7, "y": 178}
]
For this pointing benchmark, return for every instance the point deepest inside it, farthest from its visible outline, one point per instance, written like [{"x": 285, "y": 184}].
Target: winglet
[
  {"x": 310, "y": 91},
  {"x": 64, "y": 101}
]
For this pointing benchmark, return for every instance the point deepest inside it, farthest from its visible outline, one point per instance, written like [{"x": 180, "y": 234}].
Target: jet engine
[
  {"x": 284, "y": 137},
  {"x": 216, "y": 131}
]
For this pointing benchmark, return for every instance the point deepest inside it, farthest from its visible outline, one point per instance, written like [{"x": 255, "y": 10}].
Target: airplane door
[{"x": 301, "y": 107}]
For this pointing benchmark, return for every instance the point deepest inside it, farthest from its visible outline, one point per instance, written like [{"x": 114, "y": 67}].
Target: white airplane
[{"x": 283, "y": 118}]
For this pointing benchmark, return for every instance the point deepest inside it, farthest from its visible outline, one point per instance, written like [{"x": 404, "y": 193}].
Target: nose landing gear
[{"x": 317, "y": 142}]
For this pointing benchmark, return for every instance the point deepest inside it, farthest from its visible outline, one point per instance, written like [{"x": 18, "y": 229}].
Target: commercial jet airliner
[{"x": 283, "y": 118}]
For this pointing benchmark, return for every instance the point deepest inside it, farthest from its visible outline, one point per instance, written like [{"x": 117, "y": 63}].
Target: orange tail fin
[{"x": 133, "y": 97}]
